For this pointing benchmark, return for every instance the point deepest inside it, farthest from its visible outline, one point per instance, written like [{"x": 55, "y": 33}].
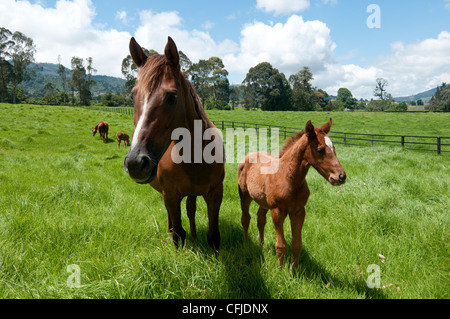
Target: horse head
[
  {"x": 321, "y": 154},
  {"x": 160, "y": 96}
]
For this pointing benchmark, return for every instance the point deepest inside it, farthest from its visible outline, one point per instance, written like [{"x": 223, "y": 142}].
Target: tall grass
[{"x": 65, "y": 199}]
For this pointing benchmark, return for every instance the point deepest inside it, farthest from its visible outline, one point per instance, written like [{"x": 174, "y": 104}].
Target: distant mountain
[
  {"x": 424, "y": 96},
  {"x": 48, "y": 73}
]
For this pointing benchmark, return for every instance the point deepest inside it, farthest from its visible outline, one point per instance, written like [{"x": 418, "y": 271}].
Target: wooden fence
[{"x": 438, "y": 144}]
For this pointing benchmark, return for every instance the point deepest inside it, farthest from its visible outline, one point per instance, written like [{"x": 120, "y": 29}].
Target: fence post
[
  {"x": 403, "y": 141},
  {"x": 223, "y": 126},
  {"x": 371, "y": 140},
  {"x": 232, "y": 125},
  {"x": 439, "y": 145},
  {"x": 285, "y": 132},
  {"x": 345, "y": 138}
]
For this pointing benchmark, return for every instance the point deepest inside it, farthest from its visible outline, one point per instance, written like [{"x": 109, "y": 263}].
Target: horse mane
[
  {"x": 290, "y": 142},
  {"x": 150, "y": 75}
]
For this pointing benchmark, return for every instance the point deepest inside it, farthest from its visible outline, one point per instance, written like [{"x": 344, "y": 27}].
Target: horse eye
[
  {"x": 320, "y": 150},
  {"x": 171, "y": 98}
]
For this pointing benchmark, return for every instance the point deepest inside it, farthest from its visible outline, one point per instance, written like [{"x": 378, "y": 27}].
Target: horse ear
[
  {"x": 171, "y": 53},
  {"x": 326, "y": 127},
  {"x": 309, "y": 130},
  {"x": 137, "y": 54}
]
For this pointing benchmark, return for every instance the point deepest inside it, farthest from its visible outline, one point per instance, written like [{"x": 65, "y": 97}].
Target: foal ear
[
  {"x": 326, "y": 127},
  {"x": 309, "y": 130},
  {"x": 171, "y": 53},
  {"x": 137, "y": 54}
]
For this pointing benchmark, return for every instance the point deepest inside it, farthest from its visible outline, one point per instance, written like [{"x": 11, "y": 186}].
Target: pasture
[{"x": 66, "y": 200}]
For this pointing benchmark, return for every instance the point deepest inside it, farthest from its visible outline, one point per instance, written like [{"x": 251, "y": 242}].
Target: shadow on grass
[
  {"x": 242, "y": 263},
  {"x": 311, "y": 270}
]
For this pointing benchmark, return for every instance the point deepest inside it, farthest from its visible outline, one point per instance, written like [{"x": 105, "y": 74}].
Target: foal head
[
  {"x": 159, "y": 98},
  {"x": 321, "y": 154},
  {"x": 94, "y": 130}
]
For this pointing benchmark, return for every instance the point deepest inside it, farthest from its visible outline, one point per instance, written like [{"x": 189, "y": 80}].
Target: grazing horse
[
  {"x": 164, "y": 102},
  {"x": 122, "y": 137},
  {"x": 102, "y": 128},
  {"x": 285, "y": 192}
]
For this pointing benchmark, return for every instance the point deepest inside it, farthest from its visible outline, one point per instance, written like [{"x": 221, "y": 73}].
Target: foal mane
[{"x": 290, "y": 142}]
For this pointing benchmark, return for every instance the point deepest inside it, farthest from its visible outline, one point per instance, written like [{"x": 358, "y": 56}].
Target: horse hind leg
[
  {"x": 245, "y": 206},
  {"x": 278, "y": 218},
  {"x": 191, "y": 207},
  {"x": 262, "y": 218}
]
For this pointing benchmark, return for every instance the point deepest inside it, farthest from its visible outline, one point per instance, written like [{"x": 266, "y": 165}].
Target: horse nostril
[
  {"x": 342, "y": 177},
  {"x": 145, "y": 163}
]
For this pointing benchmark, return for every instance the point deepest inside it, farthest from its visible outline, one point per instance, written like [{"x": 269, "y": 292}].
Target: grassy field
[{"x": 65, "y": 200}]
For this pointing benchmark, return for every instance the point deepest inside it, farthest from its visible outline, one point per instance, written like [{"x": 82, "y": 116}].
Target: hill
[
  {"x": 48, "y": 73},
  {"x": 424, "y": 96}
]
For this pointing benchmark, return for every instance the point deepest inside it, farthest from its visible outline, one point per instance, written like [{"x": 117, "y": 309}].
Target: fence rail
[{"x": 438, "y": 144}]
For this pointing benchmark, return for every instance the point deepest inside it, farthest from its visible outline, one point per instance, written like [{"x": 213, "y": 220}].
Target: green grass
[{"x": 65, "y": 199}]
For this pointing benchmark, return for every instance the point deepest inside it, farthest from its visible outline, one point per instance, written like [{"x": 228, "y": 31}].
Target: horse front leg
[
  {"x": 262, "y": 219},
  {"x": 191, "y": 207},
  {"x": 278, "y": 218},
  {"x": 172, "y": 203},
  {"x": 213, "y": 201},
  {"x": 297, "y": 219},
  {"x": 245, "y": 205}
]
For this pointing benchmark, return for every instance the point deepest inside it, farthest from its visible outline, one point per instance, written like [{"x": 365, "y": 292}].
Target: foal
[
  {"x": 102, "y": 128},
  {"x": 285, "y": 192},
  {"x": 122, "y": 137}
]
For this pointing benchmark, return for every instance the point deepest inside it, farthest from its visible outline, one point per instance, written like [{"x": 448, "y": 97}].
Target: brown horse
[
  {"x": 122, "y": 137},
  {"x": 285, "y": 191},
  {"x": 102, "y": 128},
  {"x": 164, "y": 100}
]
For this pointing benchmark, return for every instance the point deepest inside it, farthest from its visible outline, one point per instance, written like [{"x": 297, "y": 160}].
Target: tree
[
  {"x": 210, "y": 79},
  {"x": 440, "y": 101},
  {"x": 63, "y": 75},
  {"x": 130, "y": 70},
  {"x": 5, "y": 66},
  {"x": 185, "y": 63},
  {"x": 380, "y": 88},
  {"x": 302, "y": 90},
  {"x": 82, "y": 80},
  {"x": 267, "y": 88},
  {"x": 22, "y": 51},
  {"x": 346, "y": 98}
]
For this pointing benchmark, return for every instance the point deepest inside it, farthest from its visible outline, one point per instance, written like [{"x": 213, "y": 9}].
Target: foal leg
[
  {"x": 278, "y": 218},
  {"x": 297, "y": 219},
  {"x": 245, "y": 205},
  {"x": 191, "y": 207},
  {"x": 172, "y": 203},
  {"x": 213, "y": 201},
  {"x": 262, "y": 218}
]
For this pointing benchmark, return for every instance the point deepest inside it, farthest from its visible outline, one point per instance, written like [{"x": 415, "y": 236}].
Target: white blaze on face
[
  {"x": 138, "y": 128},
  {"x": 328, "y": 142}
]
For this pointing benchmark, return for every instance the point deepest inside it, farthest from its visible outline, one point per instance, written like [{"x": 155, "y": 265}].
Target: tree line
[
  {"x": 264, "y": 86},
  {"x": 17, "y": 54}
]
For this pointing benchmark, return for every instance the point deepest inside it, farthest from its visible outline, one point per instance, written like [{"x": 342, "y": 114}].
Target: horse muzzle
[
  {"x": 338, "y": 179},
  {"x": 139, "y": 165}
]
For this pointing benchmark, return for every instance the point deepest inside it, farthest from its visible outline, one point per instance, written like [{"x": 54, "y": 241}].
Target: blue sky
[{"x": 411, "y": 49}]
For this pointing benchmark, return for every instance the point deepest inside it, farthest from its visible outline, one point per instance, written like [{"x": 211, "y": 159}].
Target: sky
[{"x": 345, "y": 43}]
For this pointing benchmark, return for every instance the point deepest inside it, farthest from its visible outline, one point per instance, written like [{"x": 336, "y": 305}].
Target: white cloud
[
  {"x": 122, "y": 16},
  {"x": 66, "y": 30},
  {"x": 282, "y": 6},
  {"x": 155, "y": 27},
  {"x": 288, "y": 46}
]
